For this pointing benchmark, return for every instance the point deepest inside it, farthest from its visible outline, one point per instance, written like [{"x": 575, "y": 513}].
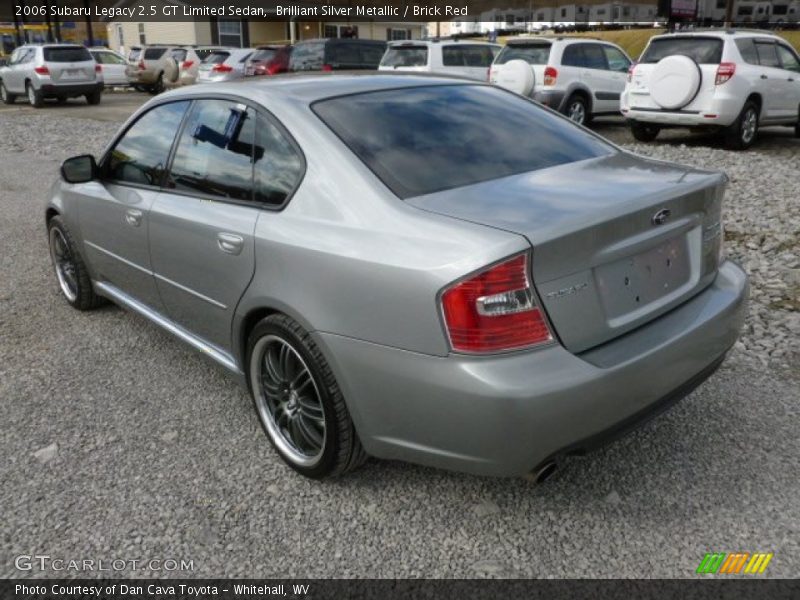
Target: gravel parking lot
[{"x": 118, "y": 442}]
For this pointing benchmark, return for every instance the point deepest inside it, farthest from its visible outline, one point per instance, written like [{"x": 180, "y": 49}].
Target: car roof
[
  {"x": 308, "y": 88},
  {"x": 442, "y": 42},
  {"x": 720, "y": 33},
  {"x": 340, "y": 40}
]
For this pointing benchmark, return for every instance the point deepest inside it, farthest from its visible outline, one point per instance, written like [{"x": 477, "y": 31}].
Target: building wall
[{"x": 262, "y": 32}]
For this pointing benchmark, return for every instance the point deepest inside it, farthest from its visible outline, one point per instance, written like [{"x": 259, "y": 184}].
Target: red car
[{"x": 268, "y": 60}]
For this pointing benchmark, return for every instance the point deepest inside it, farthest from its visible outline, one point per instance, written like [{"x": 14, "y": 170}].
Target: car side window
[
  {"x": 573, "y": 56},
  {"x": 140, "y": 155},
  {"x": 616, "y": 60},
  {"x": 345, "y": 53},
  {"x": 789, "y": 59},
  {"x": 279, "y": 166},
  {"x": 372, "y": 54},
  {"x": 748, "y": 50},
  {"x": 594, "y": 57},
  {"x": 767, "y": 55},
  {"x": 215, "y": 151}
]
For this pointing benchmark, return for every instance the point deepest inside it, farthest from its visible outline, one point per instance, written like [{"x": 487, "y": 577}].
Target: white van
[{"x": 445, "y": 57}]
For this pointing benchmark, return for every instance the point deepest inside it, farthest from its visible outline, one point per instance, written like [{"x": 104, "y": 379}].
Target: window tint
[
  {"x": 307, "y": 57},
  {"x": 616, "y": 60},
  {"x": 748, "y": 50},
  {"x": 217, "y": 58},
  {"x": 279, "y": 166},
  {"x": 214, "y": 154},
  {"x": 66, "y": 54},
  {"x": 263, "y": 54},
  {"x": 405, "y": 56},
  {"x": 467, "y": 56},
  {"x": 573, "y": 56},
  {"x": 533, "y": 54},
  {"x": 594, "y": 56},
  {"x": 704, "y": 51},
  {"x": 788, "y": 58},
  {"x": 154, "y": 53},
  {"x": 424, "y": 139},
  {"x": 767, "y": 55},
  {"x": 346, "y": 54},
  {"x": 140, "y": 156},
  {"x": 371, "y": 54}
]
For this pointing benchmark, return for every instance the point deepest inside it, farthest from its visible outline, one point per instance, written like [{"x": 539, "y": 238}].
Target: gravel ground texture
[{"x": 118, "y": 442}]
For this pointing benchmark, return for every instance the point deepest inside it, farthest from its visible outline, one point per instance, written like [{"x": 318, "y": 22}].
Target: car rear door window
[
  {"x": 789, "y": 60},
  {"x": 214, "y": 156},
  {"x": 533, "y": 54},
  {"x": 703, "y": 50},
  {"x": 140, "y": 156},
  {"x": 594, "y": 57},
  {"x": 573, "y": 56},
  {"x": 279, "y": 166},
  {"x": 65, "y": 54},
  {"x": 616, "y": 60},
  {"x": 767, "y": 55},
  {"x": 424, "y": 139},
  {"x": 748, "y": 50}
]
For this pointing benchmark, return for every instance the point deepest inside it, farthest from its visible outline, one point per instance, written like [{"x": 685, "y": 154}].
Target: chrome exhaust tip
[{"x": 544, "y": 473}]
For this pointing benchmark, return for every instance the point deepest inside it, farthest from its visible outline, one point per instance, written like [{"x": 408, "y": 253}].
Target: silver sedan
[{"x": 406, "y": 267}]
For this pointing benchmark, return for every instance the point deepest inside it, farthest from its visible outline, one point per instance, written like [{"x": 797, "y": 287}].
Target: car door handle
[
  {"x": 133, "y": 217},
  {"x": 764, "y": 77},
  {"x": 230, "y": 243}
]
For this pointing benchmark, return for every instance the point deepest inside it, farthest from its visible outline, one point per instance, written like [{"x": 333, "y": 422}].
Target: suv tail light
[
  {"x": 42, "y": 70},
  {"x": 187, "y": 64},
  {"x": 98, "y": 68},
  {"x": 222, "y": 68},
  {"x": 631, "y": 69},
  {"x": 724, "y": 72},
  {"x": 326, "y": 68},
  {"x": 495, "y": 310},
  {"x": 141, "y": 66},
  {"x": 550, "y": 75}
]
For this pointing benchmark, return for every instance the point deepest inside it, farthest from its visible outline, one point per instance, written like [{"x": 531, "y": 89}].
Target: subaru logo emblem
[{"x": 661, "y": 216}]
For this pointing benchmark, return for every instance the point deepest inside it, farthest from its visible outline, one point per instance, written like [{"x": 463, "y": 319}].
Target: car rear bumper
[
  {"x": 551, "y": 98},
  {"x": 506, "y": 415},
  {"x": 70, "y": 89},
  {"x": 720, "y": 113}
]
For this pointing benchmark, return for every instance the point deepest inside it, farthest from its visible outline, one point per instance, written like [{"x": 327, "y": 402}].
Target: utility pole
[{"x": 729, "y": 14}]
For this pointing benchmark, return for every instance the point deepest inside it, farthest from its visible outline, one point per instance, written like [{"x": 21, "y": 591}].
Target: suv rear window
[
  {"x": 426, "y": 139},
  {"x": 405, "y": 56},
  {"x": 464, "y": 55},
  {"x": 154, "y": 53},
  {"x": 533, "y": 54},
  {"x": 704, "y": 51},
  {"x": 66, "y": 54}
]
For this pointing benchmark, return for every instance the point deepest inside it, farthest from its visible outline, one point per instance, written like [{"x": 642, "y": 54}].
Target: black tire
[
  {"x": 158, "y": 86},
  {"x": 35, "y": 98},
  {"x": 643, "y": 132},
  {"x": 141, "y": 88},
  {"x": 61, "y": 99},
  {"x": 743, "y": 132},
  {"x": 341, "y": 450},
  {"x": 5, "y": 95},
  {"x": 84, "y": 297},
  {"x": 95, "y": 97},
  {"x": 578, "y": 109}
]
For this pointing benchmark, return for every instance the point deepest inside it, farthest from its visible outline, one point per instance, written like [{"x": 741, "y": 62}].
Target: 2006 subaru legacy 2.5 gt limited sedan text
[{"x": 407, "y": 267}]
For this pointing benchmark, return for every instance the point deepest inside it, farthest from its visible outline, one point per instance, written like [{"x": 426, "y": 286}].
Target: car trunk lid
[{"x": 617, "y": 240}]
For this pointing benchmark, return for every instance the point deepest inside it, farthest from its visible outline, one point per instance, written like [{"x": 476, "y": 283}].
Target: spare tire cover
[
  {"x": 674, "y": 81},
  {"x": 516, "y": 76},
  {"x": 171, "y": 69}
]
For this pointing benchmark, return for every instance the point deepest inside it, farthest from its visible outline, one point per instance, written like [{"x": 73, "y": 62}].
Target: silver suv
[
  {"x": 58, "y": 71},
  {"x": 154, "y": 68}
]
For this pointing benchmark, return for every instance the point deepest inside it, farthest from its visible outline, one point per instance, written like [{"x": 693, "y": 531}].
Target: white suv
[
  {"x": 580, "y": 77},
  {"x": 728, "y": 80},
  {"x": 445, "y": 57}
]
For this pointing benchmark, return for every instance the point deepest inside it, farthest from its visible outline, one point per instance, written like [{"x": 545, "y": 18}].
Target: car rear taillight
[
  {"x": 724, "y": 72},
  {"x": 141, "y": 66},
  {"x": 222, "y": 68},
  {"x": 495, "y": 310},
  {"x": 550, "y": 75},
  {"x": 273, "y": 69},
  {"x": 326, "y": 68},
  {"x": 631, "y": 69},
  {"x": 42, "y": 70},
  {"x": 187, "y": 64},
  {"x": 98, "y": 68}
]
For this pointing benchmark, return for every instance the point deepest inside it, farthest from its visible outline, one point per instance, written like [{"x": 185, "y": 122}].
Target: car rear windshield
[
  {"x": 217, "y": 58},
  {"x": 134, "y": 53},
  {"x": 66, "y": 54},
  {"x": 533, "y": 54},
  {"x": 405, "y": 56},
  {"x": 154, "y": 53},
  {"x": 704, "y": 51},
  {"x": 425, "y": 139},
  {"x": 263, "y": 54},
  {"x": 307, "y": 56}
]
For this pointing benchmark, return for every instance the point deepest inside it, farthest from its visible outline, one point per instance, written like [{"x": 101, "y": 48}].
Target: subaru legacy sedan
[{"x": 406, "y": 267}]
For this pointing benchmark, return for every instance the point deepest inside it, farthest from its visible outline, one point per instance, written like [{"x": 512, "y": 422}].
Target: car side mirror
[{"x": 79, "y": 169}]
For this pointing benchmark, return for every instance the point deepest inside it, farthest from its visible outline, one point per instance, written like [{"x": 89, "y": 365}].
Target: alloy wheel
[
  {"x": 577, "y": 112},
  {"x": 31, "y": 95},
  {"x": 749, "y": 124},
  {"x": 3, "y": 93},
  {"x": 64, "y": 264},
  {"x": 289, "y": 401}
]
